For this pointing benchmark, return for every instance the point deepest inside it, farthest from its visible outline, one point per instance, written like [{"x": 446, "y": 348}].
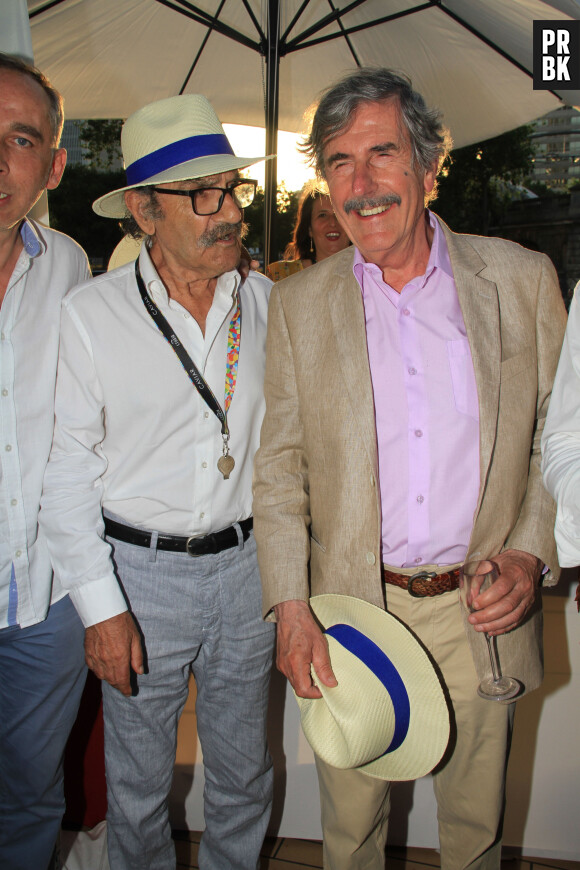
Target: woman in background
[{"x": 317, "y": 235}]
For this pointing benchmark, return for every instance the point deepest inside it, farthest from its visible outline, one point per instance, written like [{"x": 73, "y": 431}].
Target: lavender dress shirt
[{"x": 426, "y": 409}]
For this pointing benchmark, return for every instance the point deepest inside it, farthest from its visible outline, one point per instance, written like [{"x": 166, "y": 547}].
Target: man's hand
[
  {"x": 112, "y": 648},
  {"x": 300, "y": 644},
  {"x": 503, "y": 607}
]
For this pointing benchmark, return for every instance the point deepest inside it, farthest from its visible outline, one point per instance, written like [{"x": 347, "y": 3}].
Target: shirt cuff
[{"x": 98, "y": 600}]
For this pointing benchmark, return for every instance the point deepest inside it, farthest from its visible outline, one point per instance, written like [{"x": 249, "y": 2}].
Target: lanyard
[{"x": 226, "y": 461}]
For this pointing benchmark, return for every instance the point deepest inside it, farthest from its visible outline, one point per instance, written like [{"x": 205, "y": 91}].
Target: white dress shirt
[
  {"x": 561, "y": 443},
  {"x": 132, "y": 433},
  {"x": 49, "y": 264}
]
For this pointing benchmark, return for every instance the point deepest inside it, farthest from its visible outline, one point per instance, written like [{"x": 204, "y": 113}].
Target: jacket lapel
[
  {"x": 346, "y": 313},
  {"x": 480, "y": 307}
]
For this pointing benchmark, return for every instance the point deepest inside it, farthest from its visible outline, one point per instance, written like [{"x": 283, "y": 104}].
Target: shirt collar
[
  {"x": 31, "y": 240},
  {"x": 438, "y": 257},
  {"x": 225, "y": 291}
]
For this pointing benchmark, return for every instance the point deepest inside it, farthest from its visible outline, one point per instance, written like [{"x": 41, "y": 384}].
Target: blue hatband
[
  {"x": 175, "y": 153},
  {"x": 382, "y": 667}
]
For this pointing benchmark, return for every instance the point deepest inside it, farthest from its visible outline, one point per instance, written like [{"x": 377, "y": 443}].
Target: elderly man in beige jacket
[{"x": 407, "y": 382}]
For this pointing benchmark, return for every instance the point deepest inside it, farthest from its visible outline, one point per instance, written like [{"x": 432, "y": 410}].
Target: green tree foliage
[
  {"x": 477, "y": 181},
  {"x": 101, "y": 141},
  {"x": 71, "y": 213},
  {"x": 286, "y": 208}
]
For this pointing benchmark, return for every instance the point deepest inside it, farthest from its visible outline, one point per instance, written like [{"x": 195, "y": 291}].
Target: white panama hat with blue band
[
  {"x": 388, "y": 716},
  {"x": 174, "y": 139}
]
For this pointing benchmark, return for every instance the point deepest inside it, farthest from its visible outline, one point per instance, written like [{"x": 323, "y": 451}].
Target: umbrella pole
[{"x": 272, "y": 96}]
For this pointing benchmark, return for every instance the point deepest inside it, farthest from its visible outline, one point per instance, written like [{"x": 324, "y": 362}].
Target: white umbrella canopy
[
  {"x": 471, "y": 59},
  {"x": 109, "y": 57}
]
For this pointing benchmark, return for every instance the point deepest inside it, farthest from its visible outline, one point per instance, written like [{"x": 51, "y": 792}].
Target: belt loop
[
  {"x": 240, "y": 535},
  {"x": 153, "y": 547}
]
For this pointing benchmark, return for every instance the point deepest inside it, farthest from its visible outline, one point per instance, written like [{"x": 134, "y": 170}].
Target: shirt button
[
  {"x": 406, "y": 312},
  {"x": 13, "y": 501},
  {"x": 18, "y": 553},
  {"x": 206, "y": 414},
  {"x": 371, "y": 558},
  {"x": 202, "y": 514},
  {"x": 2, "y": 336},
  {"x": 419, "y": 433},
  {"x": 417, "y": 560},
  {"x": 8, "y": 448},
  {"x": 4, "y": 392},
  {"x": 204, "y": 464},
  {"x": 412, "y": 371},
  {"x": 420, "y": 499}
]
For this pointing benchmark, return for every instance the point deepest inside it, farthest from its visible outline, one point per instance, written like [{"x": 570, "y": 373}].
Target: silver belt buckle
[
  {"x": 421, "y": 575},
  {"x": 188, "y": 551}
]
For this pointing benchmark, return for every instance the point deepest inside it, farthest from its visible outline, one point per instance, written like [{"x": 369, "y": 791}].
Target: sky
[{"x": 250, "y": 142}]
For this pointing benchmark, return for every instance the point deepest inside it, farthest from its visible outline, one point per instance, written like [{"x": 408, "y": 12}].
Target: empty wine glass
[{"x": 475, "y": 578}]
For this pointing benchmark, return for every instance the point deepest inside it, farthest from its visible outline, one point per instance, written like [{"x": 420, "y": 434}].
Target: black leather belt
[{"x": 204, "y": 546}]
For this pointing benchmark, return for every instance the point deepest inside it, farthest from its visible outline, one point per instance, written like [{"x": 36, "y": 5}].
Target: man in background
[
  {"x": 42, "y": 669},
  {"x": 407, "y": 383}
]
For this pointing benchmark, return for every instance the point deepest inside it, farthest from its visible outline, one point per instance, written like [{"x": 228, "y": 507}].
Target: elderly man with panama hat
[{"x": 147, "y": 498}]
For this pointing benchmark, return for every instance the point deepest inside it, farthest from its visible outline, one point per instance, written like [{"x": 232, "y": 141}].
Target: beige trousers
[{"x": 469, "y": 783}]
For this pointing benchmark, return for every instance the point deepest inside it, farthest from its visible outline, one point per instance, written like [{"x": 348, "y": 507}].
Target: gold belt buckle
[{"x": 421, "y": 575}]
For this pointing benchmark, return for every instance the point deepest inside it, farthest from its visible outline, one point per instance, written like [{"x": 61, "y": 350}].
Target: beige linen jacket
[{"x": 317, "y": 509}]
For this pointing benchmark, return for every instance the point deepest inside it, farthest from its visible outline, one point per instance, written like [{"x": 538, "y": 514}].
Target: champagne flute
[{"x": 475, "y": 578}]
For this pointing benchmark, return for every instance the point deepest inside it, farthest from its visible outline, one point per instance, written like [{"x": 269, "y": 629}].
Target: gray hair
[
  {"x": 55, "y": 111},
  {"x": 429, "y": 138},
  {"x": 152, "y": 210}
]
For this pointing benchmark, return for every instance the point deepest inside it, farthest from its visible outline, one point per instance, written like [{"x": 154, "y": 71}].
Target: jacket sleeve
[
  {"x": 561, "y": 444},
  {"x": 533, "y": 531},
  {"x": 281, "y": 499}
]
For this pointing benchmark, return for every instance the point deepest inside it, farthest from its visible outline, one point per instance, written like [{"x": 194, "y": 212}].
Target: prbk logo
[{"x": 556, "y": 55}]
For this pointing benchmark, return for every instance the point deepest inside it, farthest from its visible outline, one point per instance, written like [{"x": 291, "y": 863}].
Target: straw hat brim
[
  {"x": 364, "y": 700},
  {"x": 112, "y": 205},
  {"x": 126, "y": 251}
]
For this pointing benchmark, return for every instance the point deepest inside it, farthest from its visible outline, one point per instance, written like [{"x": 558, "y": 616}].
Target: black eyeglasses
[{"x": 209, "y": 200}]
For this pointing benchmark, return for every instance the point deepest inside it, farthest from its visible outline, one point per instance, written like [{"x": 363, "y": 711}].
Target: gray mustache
[
  {"x": 213, "y": 235},
  {"x": 357, "y": 203}
]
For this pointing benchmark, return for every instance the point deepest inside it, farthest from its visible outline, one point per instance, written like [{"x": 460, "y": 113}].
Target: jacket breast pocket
[{"x": 463, "y": 377}]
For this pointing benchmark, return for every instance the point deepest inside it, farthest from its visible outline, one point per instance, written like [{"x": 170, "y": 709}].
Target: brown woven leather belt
[{"x": 424, "y": 584}]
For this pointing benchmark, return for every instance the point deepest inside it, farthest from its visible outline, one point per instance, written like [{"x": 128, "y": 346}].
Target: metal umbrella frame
[{"x": 473, "y": 60}]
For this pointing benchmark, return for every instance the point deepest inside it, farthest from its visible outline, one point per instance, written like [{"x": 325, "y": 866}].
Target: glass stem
[{"x": 495, "y": 667}]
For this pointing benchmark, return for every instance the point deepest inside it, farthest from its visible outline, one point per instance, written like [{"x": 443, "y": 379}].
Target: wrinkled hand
[
  {"x": 504, "y": 605},
  {"x": 246, "y": 263},
  {"x": 112, "y": 648},
  {"x": 301, "y": 643}
]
